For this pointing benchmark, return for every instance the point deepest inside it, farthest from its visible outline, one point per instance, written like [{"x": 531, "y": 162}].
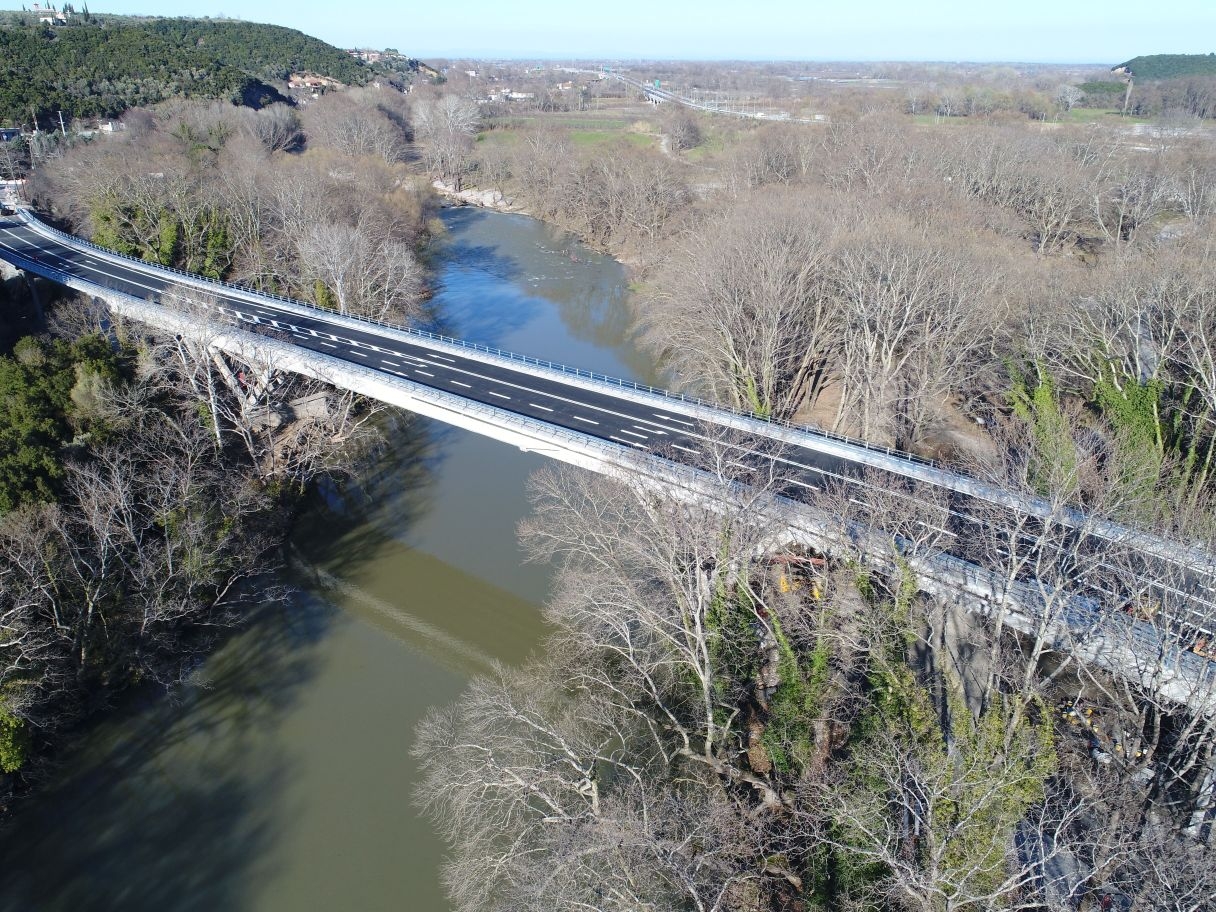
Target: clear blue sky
[{"x": 1098, "y": 31}]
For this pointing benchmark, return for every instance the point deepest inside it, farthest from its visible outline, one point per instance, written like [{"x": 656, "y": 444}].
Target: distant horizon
[
  {"x": 551, "y": 58},
  {"x": 1036, "y": 32}
]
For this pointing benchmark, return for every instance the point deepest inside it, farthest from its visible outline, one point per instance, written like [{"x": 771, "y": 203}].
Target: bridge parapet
[
  {"x": 304, "y": 307},
  {"x": 875, "y": 456},
  {"x": 1111, "y": 640}
]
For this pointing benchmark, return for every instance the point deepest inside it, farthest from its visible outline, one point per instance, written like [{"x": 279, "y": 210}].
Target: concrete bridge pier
[
  {"x": 9, "y": 273},
  {"x": 1203, "y": 818}
]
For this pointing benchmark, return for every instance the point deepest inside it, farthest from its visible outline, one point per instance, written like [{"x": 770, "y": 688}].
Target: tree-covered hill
[
  {"x": 100, "y": 68},
  {"x": 1170, "y": 66}
]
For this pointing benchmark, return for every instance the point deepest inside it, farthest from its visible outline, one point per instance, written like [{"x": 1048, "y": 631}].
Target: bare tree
[
  {"x": 277, "y": 127},
  {"x": 364, "y": 272},
  {"x": 445, "y": 128},
  {"x": 1068, "y": 96},
  {"x": 745, "y": 309},
  {"x": 961, "y": 822},
  {"x": 1195, "y": 178},
  {"x": 682, "y": 130},
  {"x": 357, "y": 123},
  {"x": 1129, "y": 199},
  {"x": 913, "y": 314}
]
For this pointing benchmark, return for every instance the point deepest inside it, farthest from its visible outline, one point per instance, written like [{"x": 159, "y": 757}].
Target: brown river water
[{"x": 280, "y": 777}]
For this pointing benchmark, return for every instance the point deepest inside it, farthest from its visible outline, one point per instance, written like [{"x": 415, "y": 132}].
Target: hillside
[
  {"x": 1169, "y": 66},
  {"x": 102, "y": 67}
]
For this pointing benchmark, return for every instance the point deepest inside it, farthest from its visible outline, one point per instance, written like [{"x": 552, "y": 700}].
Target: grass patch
[
  {"x": 565, "y": 121},
  {"x": 497, "y": 137},
  {"x": 587, "y": 138},
  {"x": 934, "y": 120},
  {"x": 1094, "y": 115},
  {"x": 590, "y": 123},
  {"x": 707, "y": 148}
]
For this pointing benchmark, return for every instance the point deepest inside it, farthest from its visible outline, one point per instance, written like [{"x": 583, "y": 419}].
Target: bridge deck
[{"x": 610, "y": 411}]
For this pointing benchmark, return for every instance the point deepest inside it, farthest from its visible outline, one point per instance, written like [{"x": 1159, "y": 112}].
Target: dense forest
[
  {"x": 1170, "y": 66},
  {"x": 102, "y": 68}
]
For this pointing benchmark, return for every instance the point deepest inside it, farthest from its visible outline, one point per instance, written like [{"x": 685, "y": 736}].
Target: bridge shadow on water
[
  {"x": 171, "y": 802},
  {"x": 347, "y": 522},
  {"x": 400, "y": 547}
]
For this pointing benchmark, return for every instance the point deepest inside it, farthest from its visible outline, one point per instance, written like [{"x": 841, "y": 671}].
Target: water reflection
[
  {"x": 545, "y": 265},
  {"x": 171, "y": 815}
]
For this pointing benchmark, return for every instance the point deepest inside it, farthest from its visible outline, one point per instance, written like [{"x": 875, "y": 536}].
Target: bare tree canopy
[{"x": 720, "y": 722}]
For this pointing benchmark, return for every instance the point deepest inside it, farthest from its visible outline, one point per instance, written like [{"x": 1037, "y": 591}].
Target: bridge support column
[
  {"x": 35, "y": 298},
  {"x": 249, "y": 382},
  {"x": 226, "y": 373},
  {"x": 1202, "y": 825},
  {"x": 267, "y": 384}
]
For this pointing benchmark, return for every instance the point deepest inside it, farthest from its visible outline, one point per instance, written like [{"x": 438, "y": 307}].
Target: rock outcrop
[{"x": 474, "y": 196}]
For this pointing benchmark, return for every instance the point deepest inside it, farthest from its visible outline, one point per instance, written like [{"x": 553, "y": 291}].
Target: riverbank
[
  {"x": 496, "y": 200},
  {"x": 474, "y": 196}
]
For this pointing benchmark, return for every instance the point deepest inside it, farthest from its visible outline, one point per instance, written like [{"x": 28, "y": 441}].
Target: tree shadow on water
[{"x": 174, "y": 801}]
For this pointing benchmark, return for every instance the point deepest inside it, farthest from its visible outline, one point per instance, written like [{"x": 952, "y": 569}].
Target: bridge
[
  {"x": 685, "y": 447},
  {"x": 656, "y": 94}
]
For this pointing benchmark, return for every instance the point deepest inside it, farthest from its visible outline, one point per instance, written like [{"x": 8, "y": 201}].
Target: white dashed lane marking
[
  {"x": 630, "y": 442},
  {"x": 670, "y": 418}
]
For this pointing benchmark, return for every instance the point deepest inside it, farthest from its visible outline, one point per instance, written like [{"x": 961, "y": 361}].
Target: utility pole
[
  {"x": 34, "y": 115},
  {"x": 62, "y": 128}
]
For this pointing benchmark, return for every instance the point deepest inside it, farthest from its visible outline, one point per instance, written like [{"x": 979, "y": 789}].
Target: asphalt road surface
[{"x": 961, "y": 521}]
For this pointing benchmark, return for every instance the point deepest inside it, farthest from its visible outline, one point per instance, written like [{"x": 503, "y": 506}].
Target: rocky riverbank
[{"x": 475, "y": 196}]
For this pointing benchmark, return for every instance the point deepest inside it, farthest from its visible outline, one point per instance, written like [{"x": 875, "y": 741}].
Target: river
[{"x": 280, "y": 777}]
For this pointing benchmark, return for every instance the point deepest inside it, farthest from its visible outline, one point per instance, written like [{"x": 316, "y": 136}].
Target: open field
[{"x": 613, "y": 120}]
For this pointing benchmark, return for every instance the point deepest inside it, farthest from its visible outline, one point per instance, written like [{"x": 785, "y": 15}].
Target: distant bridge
[
  {"x": 678, "y": 445},
  {"x": 658, "y": 95}
]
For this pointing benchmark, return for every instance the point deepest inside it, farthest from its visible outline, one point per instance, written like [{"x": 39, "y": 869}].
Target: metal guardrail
[
  {"x": 1160, "y": 548},
  {"x": 1080, "y": 614},
  {"x": 203, "y": 282}
]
